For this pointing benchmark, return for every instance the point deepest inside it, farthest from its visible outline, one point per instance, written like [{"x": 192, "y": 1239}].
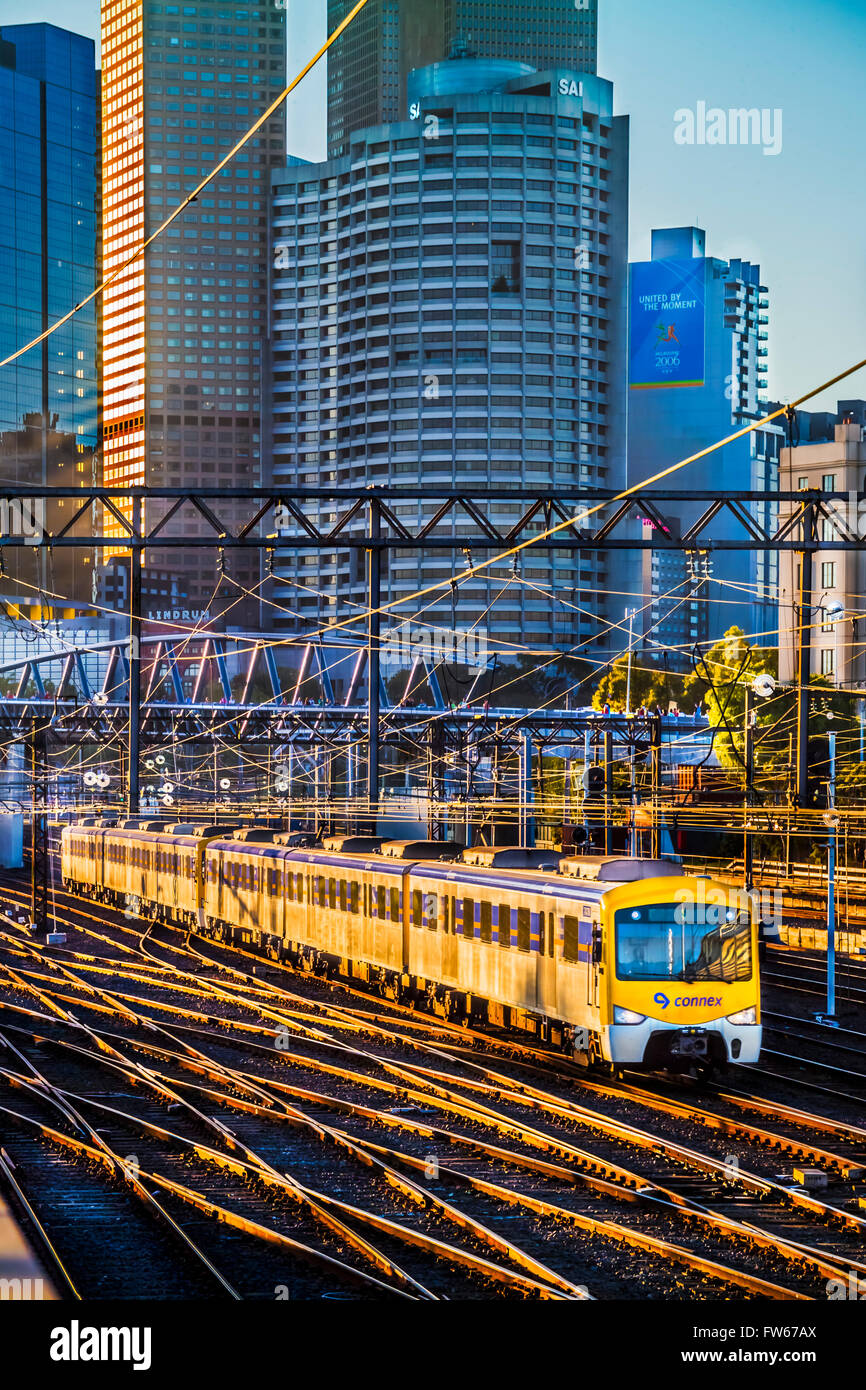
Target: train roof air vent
[
  {"x": 420, "y": 849},
  {"x": 352, "y": 844},
  {"x": 614, "y": 870},
  {"x": 485, "y": 857}
]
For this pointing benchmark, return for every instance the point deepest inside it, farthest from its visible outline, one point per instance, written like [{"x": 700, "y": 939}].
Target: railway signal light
[{"x": 593, "y": 780}]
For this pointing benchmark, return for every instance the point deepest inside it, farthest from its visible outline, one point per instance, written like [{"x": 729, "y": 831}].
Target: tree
[
  {"x": 649, "y": 686},
  {"x": 718, "y": 682}
]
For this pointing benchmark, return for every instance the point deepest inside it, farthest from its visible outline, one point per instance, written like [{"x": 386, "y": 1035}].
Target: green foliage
[
  {"x": 719, "y": 683},
  {"x": 649, "y": 687}
]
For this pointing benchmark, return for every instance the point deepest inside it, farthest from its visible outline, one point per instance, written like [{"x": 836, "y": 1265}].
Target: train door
[
  {"x": 595, "y": 955},
  {"x": 448, "y": 926},
  {"x": 577, "y": 949},
  {"x": 546, "y": 965}
]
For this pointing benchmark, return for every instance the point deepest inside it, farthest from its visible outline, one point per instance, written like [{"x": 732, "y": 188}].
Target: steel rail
[
  {"x": 46, "y": 1245},
  {"x": 90, "y": 1152},
  {"x": 719, "y": 1223},
  {"x": 781, "y": 1190}
]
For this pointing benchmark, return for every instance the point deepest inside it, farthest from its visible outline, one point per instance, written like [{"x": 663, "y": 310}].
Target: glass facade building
[
  {"x": 184, "y": 326},
  {"x": 676, "y": 413},
  {"x": 48, "y": 251},
  {"x": 449, "y": 306},
  {"x": 369, "y": 65}
]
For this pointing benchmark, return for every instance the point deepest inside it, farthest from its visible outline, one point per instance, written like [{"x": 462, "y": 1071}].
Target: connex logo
[{"x": 684, "y": 1001}]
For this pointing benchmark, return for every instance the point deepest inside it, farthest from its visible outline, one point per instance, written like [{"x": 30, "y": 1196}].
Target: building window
[
  {"x": 505, "y": 267},
  {"x": 828, "y": 482},
  {"x": 828, "y": 664},
  {"x": 802, "y": 482},
  {"x": 828, "y": 574}
]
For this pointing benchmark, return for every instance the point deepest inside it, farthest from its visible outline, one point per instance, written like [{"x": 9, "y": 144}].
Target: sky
[{"x": 799, "y": 213}]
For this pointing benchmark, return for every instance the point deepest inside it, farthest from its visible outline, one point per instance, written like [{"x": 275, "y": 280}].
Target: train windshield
[{"x": 663, "y": 941}]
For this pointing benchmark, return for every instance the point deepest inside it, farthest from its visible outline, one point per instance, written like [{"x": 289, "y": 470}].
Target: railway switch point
[{"x": 813, "y": 1179}]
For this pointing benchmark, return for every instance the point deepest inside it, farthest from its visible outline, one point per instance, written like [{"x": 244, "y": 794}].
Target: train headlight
[
  {"x": 621, "y": 1015},
  {"x": 744, "y": 1016}
]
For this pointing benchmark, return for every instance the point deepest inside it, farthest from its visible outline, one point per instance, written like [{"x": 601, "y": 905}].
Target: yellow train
[{"x": 622, "y": 962}]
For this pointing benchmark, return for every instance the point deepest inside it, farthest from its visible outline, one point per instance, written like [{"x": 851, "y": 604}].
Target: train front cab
[{"x": 681, "y": 976}]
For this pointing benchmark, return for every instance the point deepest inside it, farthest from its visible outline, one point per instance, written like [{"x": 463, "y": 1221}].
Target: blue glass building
[
  {"x": 449, "y": 306},
  {"x": 697, "y": 373},
  {"x": 48, "y": 205},
  {"x": 48, "y": 256}
]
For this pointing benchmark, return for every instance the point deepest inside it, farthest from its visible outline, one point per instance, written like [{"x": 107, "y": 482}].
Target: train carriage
[
  {"x": 355, "y": 909},
  {"x": 621, "y": 961},
  {"x": 81, "y": 855},
  {"x": 249, "y": 887}
]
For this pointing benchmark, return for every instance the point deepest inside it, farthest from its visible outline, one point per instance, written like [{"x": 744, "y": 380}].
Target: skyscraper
[
  {"x": 48, "y": 258},
  {"x": 369, "y": 65},
  {"x": 449, "y": 306},
  {"x": 697, "y": 372},
  {"x": 183, "y": 328}
]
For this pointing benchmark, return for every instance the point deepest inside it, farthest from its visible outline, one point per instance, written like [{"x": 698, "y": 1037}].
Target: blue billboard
[{"x": 666, "y": 326}]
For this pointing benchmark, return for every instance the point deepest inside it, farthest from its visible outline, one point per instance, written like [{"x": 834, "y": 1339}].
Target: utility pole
[
  {"x": 608, "y": 790},
  {"x": 633, "y": 831},
  {"x": 656, "y": 756},
  {"x": 830, "y": 1016},
  {"x": 789, "y": 808},
  {"x": 38, "y": 825},
  {"x": 630, "y": 614},
  {"x": 527, "y": 819},
  {"x": 804, "y": 655},
  {"x": 374, "y": 603},
  {"x": 749, "y": 770},
  {"x": 587, "y": 760},
  {"x": 134, "y": 737}
]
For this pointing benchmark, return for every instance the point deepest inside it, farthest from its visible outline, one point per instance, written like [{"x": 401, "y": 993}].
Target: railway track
[
  {"x": 488, "y": 1132},
  {"x": 802, "y": 973}
]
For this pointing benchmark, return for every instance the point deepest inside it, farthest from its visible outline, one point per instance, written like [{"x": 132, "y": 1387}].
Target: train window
[
  {"x": 524, "y": 937},
  {"x": 354, "y": 893},
  {"x": 344, "y": 896},
  {"x": 468, "y": 918},
  {"x": 417, "y": 908},
  {"x": 323, "y": 891},
  {"x": 486, "y": 921},
  {"x": 551, "y": 935},
  {"x": 447, "y": 915},
  {"x": 542, "y": 919},
  {"x": 396, "y": 911},
  {"x": 504, "y": 925},
  {"x": 380, "y": 902},
  {"x": 431, "y": 911},
  {"x": 570, "y": 945},
  {"x": 332, "y": 892},
  {"x": 289, "y": 882}
]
